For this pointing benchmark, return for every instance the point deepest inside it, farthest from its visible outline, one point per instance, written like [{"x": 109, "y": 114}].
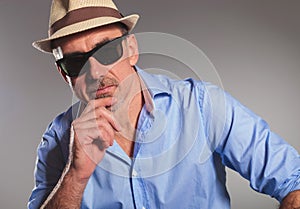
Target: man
[{"x": 137, "y": 140}]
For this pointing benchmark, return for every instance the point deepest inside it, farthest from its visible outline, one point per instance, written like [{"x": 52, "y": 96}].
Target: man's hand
[
  {"x": 94, "y": 133},
  {"x": 291, "y": 201}
]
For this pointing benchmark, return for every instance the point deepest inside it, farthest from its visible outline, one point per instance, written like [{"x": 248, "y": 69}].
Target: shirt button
[
  {"x": 135, "y": 174},
  {"x": 143, "y": 207}
]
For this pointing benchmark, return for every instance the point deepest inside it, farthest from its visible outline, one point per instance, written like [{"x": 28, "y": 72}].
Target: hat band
[{"x": 82, "y": 14}]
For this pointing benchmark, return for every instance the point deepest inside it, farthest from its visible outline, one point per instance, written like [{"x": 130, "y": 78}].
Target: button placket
[{"x": 134, "y": 173}]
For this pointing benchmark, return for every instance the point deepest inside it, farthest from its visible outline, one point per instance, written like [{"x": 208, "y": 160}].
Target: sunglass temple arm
[{"x": 57, "y": 53}]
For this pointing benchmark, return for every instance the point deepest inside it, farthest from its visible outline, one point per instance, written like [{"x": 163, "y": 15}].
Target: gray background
[{"x": 253, "y": 44}]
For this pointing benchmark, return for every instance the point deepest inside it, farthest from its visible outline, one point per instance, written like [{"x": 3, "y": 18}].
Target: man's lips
[{"x": 105, "y": 91}]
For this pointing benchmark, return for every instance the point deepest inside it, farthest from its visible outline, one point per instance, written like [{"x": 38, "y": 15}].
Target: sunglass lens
[
  {"x": 109, "y": 53},
  {"x": 73, "y": 67}
]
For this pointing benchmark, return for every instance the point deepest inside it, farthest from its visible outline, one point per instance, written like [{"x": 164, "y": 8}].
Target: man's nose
[{"x": 96, "y": 69}]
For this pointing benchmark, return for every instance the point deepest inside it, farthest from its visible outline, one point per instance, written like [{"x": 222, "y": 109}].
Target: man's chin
[{"x": 106, "y": 95}]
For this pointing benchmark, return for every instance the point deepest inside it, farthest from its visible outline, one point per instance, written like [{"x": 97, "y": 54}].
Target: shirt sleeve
[
  {"x": 49, "y": 167},
  {"x": 247, "y": 145}
]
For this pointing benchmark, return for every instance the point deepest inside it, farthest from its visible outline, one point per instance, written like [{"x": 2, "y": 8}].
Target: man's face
[{"x": 99, "y": 80}]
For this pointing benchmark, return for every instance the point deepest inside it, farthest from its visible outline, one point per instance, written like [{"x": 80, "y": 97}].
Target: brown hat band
[{"x": 82, "y": 14}]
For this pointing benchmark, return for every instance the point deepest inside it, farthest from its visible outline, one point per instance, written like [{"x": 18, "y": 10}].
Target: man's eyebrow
[{"x": 101, "y": 43}]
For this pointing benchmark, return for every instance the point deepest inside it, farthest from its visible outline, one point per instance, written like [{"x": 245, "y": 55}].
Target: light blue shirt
[{"x": 185, "y": 137}]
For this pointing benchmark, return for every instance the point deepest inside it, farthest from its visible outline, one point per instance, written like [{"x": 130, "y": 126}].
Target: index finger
[{"x": 106, "y": 102}]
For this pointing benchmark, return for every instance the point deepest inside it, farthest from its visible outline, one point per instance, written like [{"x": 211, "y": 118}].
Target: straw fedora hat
[{"x": 72, "y": 16}]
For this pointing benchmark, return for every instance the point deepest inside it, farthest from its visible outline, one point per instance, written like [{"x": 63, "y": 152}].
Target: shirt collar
[{"x": 153, "y": 83}]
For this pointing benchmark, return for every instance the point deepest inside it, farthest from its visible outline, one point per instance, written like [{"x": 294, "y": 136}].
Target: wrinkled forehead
[{"x": 87, "y": 40}]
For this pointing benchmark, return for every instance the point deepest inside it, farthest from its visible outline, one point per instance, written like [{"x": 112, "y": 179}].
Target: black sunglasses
[{"x": 77, "y": 64}]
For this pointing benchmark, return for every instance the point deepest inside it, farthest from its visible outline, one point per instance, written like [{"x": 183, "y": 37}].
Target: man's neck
[{"x": 128, "y": 113}]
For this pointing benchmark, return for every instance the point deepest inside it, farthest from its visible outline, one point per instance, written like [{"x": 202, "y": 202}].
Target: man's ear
[{"x": 133, "y": 51}]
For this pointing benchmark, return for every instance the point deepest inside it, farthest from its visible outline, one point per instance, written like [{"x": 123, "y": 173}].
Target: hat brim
[{"x": 44, "y": 45}]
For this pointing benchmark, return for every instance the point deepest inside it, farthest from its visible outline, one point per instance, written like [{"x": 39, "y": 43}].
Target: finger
[
  {"x": 101, "y": 102},
  {"x": 109, "y": 117},
  {"x": 97, "y": 114},
  {"x": 100, "y": 123},
  {"x": 87, "y": 136}
]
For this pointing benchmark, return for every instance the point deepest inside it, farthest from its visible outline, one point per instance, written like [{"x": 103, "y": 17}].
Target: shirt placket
[{"x": 139, "y": 189}]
